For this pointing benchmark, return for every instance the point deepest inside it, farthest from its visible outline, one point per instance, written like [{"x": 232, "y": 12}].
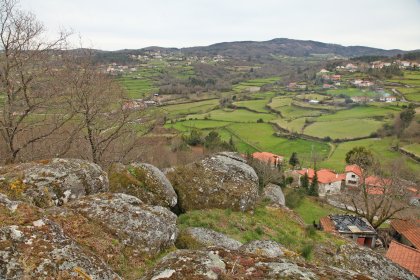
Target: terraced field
[
  {"x": 410, "y": 85},
  {"x": 336, "y": 123},
  {"x": 239, "y": 115},
  {"x": 258, "y": 105},
  {"x": 184, "y": 109},
  {"x": 413, "y": 148},
  {"x": 351, "y": 92},
  {"x": 244, "y": 86}
]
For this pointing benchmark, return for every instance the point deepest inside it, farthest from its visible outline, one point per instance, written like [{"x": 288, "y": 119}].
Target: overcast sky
[{"x": 113, "y": 25}]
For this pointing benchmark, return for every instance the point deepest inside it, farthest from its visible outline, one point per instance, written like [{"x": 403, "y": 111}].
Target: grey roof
[{"x": 352, "y": 224}]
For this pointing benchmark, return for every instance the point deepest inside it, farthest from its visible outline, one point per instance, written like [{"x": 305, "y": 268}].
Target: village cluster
[
  {"x": 334, "y": 80},
  {"x": 404, "y": 248}
]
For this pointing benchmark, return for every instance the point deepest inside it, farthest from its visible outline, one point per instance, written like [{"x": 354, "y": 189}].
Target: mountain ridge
[{"x": 276, "y": 46}]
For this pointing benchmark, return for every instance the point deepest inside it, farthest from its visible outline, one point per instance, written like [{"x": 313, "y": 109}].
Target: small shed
[{"x": 354, "y": 227}]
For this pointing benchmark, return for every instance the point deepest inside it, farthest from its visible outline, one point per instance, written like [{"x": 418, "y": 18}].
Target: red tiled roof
[
  {"x": 325, "y": 176},
  {"x": 409, "y": 229},
  {"x": 267, "y": 157},
  {"x": 377, "y": 181},
  {"x": 355, "y": 169},
  {"x": 326, "y": 224},
  {"x": 405, "y": 256},
  {"x": 412, "y": 189},
  {"x": 375, "y": 190}
]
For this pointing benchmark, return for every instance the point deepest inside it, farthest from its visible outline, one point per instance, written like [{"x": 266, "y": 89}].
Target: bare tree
[
  {"x": 31, "y": 109},
  {"x": 98, "y": 104},
  {"x": 381, "y": 194}
]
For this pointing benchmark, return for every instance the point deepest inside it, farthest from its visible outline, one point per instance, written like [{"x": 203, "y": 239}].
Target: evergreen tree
[
  {"x": 294, "y": 161},
  {"x": 304, "y": 182},
  {"x": 313, "y": 188}
]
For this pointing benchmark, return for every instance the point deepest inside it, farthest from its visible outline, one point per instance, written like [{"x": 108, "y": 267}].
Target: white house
[
  {"x": 328, "y": 181},
  {"x": 353, "y": 175}
]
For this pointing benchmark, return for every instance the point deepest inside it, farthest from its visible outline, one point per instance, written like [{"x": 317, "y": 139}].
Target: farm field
[
  {"x": 295, "y": 125},
  {"x": 360, "y": 112},
  {"x": 412, "y": 93},
  {"x": 293, "y": 112},
  {"x": 262, "y": 137},
  {"x": 351, "y": 92},
  {"x": 243, "y": 86},
  {"x": 343, "y": 128},
  {"x": 379, "y": 146},
  {"x": 183, "y": 109},
  {"x": 258, "y": 105},
  {"x": 137, "y": 88},
  {"x": 199, "y": 124},
  {"x": 280, "y": 101},
  {"x": 239, "y": 115},
  {"x": 413, "y": 148}
]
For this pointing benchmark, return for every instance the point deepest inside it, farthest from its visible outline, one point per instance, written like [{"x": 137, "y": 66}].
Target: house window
[{"x": 353, "y": 176}]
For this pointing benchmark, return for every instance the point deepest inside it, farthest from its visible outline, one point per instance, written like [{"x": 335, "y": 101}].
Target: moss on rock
[{"x": 143, "y": 181}]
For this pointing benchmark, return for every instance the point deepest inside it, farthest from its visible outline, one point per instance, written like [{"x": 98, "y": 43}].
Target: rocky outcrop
[
  {"x": 143, "y": 181},
  {"x": 40, "y": 250},
  {"x": 220, "y": 181},
  {"x": 364, "y": 260},
  {"x": 273, "y": 194},
  {"x": 266, "y": 248},
  {"x": 196, "y": 237},
  {"x": 219, "y": 263},
  {"x": 52, "y": 182},
  {"x": 149, "y": 229},
  {"x": 187, "y": 264}
]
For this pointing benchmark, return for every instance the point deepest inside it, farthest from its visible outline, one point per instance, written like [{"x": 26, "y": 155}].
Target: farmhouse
[
  {"x": 406, "y": 232},
  {"x": 328, "y": 181},
  {"x": 353, "y": 175},
  {"x": 336, "y": 77},
  {"x": 388, "y": 99},
  {"x": 273, "y": 159},
  {"x": 354, "y": 227},
  {"x": 360, "y": 99},
  {"x": 351, "y": 67},
  {"x": 327, "y": 86},
  {"x": 405, "y": 256}
]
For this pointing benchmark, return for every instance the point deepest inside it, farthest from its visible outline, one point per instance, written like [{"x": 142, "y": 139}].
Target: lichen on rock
[
  {"x": 197, "y": 237},
  {"x": 274, "y": 194},
  {"x": 52, "y": 182},
  {"x": 143, "y": 181},
  {"x": 222, "y": 181},
  {"x": 150, "y": 229},
  {"x": 42, "y": 251}
]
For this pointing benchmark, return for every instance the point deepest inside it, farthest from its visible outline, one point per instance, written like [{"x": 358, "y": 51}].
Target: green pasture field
[
  {"x": 254, "y": 105},
  {"x": 295, "y": 125},
  {"x": 293, "y": 112},
  {"x": 311, "y": 211},
  {"x": 255, "y": 83},
  {"x": 413, "y": 148},
  {"x": 199, "y": 124},
  {"x": 343, "y": 129},
  {"x": 379, "y": 147},
  {"x": 262, "y": 136},
  {"x": 313, "y": 96},
  {"x": 351, "y": 92},
  {"x": 360, "y": 112},
  {"x": 315, "y": 106},
  {"x": 184, "y": 109},
  {"x": 137, "y": 88},
  {"x": 411, "y": 94},
  {"x": 239, "y": 115},
  {"x": 280, "y": 101}
]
